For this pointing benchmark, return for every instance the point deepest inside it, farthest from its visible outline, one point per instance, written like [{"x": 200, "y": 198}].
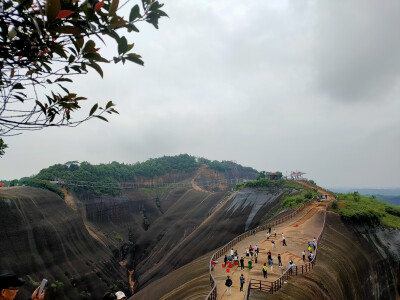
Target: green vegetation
[
  {"x": 224, "y": 165},
  {"x": 298, "y": 200},
  {"x": 312, "y": 182},
  {"x": 264, "y": 174},
  {"x": 355, "y": 208},
  {"x": 335, "y": 205},
  {"x": 103, "y": 179},
  {"x": 267, "y": 183},
  {"x": 117, "y": 236},
  {"x": 42, "y": 184}
]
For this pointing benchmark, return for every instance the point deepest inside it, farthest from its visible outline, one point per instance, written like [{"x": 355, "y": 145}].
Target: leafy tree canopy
[
  {"x": 105, "y": 178},
  {"x": 45, "y": 43}
]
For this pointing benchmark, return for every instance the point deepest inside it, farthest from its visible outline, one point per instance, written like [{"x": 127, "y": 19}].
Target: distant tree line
[{"x": 104, "y": 179}]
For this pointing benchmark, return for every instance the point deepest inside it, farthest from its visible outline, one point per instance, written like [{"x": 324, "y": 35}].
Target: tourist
[
  {"x": 232, "y": 252},
  {"x": 228, "y": 284},
  {"x": 314, "y": 243},
  {"x": 271, "y": 263},
  {"x": 269, "y": 255},
  {"x": 269, "y": 229},
  {"x": 120, "y": 295},
  {"x": 212, "y": 265},
  {"x": 267, "y": 235},
  {"x": 256, "y": 248},
  {"x": 283, "y": 241},
  {"x": 309, "y": 247},
  {"x": 311, "y": 256},
  {"x": 265, "y": 268},
  {"x": 255, "y": 256},
  {"x": 9, "y": 284},
  {"x": 235, "y": 259},
  {"x": 275, "y": 233},
  {"x": 109, "y": 296},
  {"x": 304, "y": 255},
  {"x": 279, "y": 260},
  {"x": 247, "y": 252},
  {"x": 242, "y": 280},
  {"x": 273, "y": 244},
  {"x": 225, "y": 259},
  {"x": 291, "y": 265},
  {"x": 241, "y": 263}
]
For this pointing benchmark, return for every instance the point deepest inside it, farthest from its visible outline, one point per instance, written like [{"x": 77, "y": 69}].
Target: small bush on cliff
[
  {"x": 395, "y": 211},
  {"x": 42, "y": 184},
  {"x": 334, "y": 205}
]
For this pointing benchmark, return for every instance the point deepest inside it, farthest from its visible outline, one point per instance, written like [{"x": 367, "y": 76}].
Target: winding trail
[
  {"x": 298, "y": 231},
  {"x": 194, "y": 185}
]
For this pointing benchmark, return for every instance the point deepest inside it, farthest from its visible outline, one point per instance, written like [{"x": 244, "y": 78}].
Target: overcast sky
[{"x": 272, "y": 84}]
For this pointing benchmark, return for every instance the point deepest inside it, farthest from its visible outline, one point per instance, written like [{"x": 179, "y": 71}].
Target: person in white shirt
[{"x": 304, "y": 255}]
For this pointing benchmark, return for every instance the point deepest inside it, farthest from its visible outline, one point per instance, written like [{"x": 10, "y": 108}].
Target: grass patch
[
  {"x": 358, "y": 209},
  {"x": 298, "y": 200}
]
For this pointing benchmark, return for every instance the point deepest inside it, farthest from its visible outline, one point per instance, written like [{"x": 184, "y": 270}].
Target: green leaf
[
  {"x": 102, "y": 118},
  {"x": 122, "y": 45},
  {"x": 19, "y": 98},
  {"x": 89, "y": 46},
  {"x": 135, "y": 13},
  {"x": 41, "y": 106},
  {"x": 113, "y": 7},
  {"x": 71, "y": 59},
  {"x": 52, "y": 9},
  {"x": 76, "y": 68},
  {"x": 109, "y": 104},
  {"x": 63, "y": 79},
  {"x": 94, "y": 108},
  {"x": 132, "y": 27},
  {"x": 95, "y": 56},
  {"x": 96, "y": 67},
  {"x": 18, "y": 86},
  {"x": 57, "y": 48},
  {"x": 134, "y": 58}
]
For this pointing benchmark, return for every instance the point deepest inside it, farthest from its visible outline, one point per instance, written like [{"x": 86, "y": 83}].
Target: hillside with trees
[{"x": 105, "y": 179}]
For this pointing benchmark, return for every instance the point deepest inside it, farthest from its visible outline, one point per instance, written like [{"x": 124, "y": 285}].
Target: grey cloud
[{"x": 357, "y": 47}]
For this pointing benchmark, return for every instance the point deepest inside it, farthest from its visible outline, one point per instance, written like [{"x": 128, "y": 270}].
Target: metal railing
[
  {"x": 213, "y": 293},
  {"x": 274, "y": 286}
]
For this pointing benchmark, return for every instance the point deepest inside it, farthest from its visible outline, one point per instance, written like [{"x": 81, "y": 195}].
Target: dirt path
[
  {"x": 69, "y": 200},
  {"x": 194, "y": 185},
  {"x": 298, "y": 231}
]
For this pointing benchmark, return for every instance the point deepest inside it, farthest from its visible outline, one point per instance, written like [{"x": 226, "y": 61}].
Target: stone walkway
[{"x": 298, "y": 231}]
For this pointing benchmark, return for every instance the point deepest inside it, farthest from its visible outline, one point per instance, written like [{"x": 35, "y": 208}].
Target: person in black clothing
[
  {"x": 241, "y": 263},
  {"x": 269, "y": 229},
  {"x": 9, "y": 284},
  {"x": 228, "y": 283},
  {"x": 279, "y": 260},
  {"x": 225, "y": 259},
  {"x": 109, "y": 296}
]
